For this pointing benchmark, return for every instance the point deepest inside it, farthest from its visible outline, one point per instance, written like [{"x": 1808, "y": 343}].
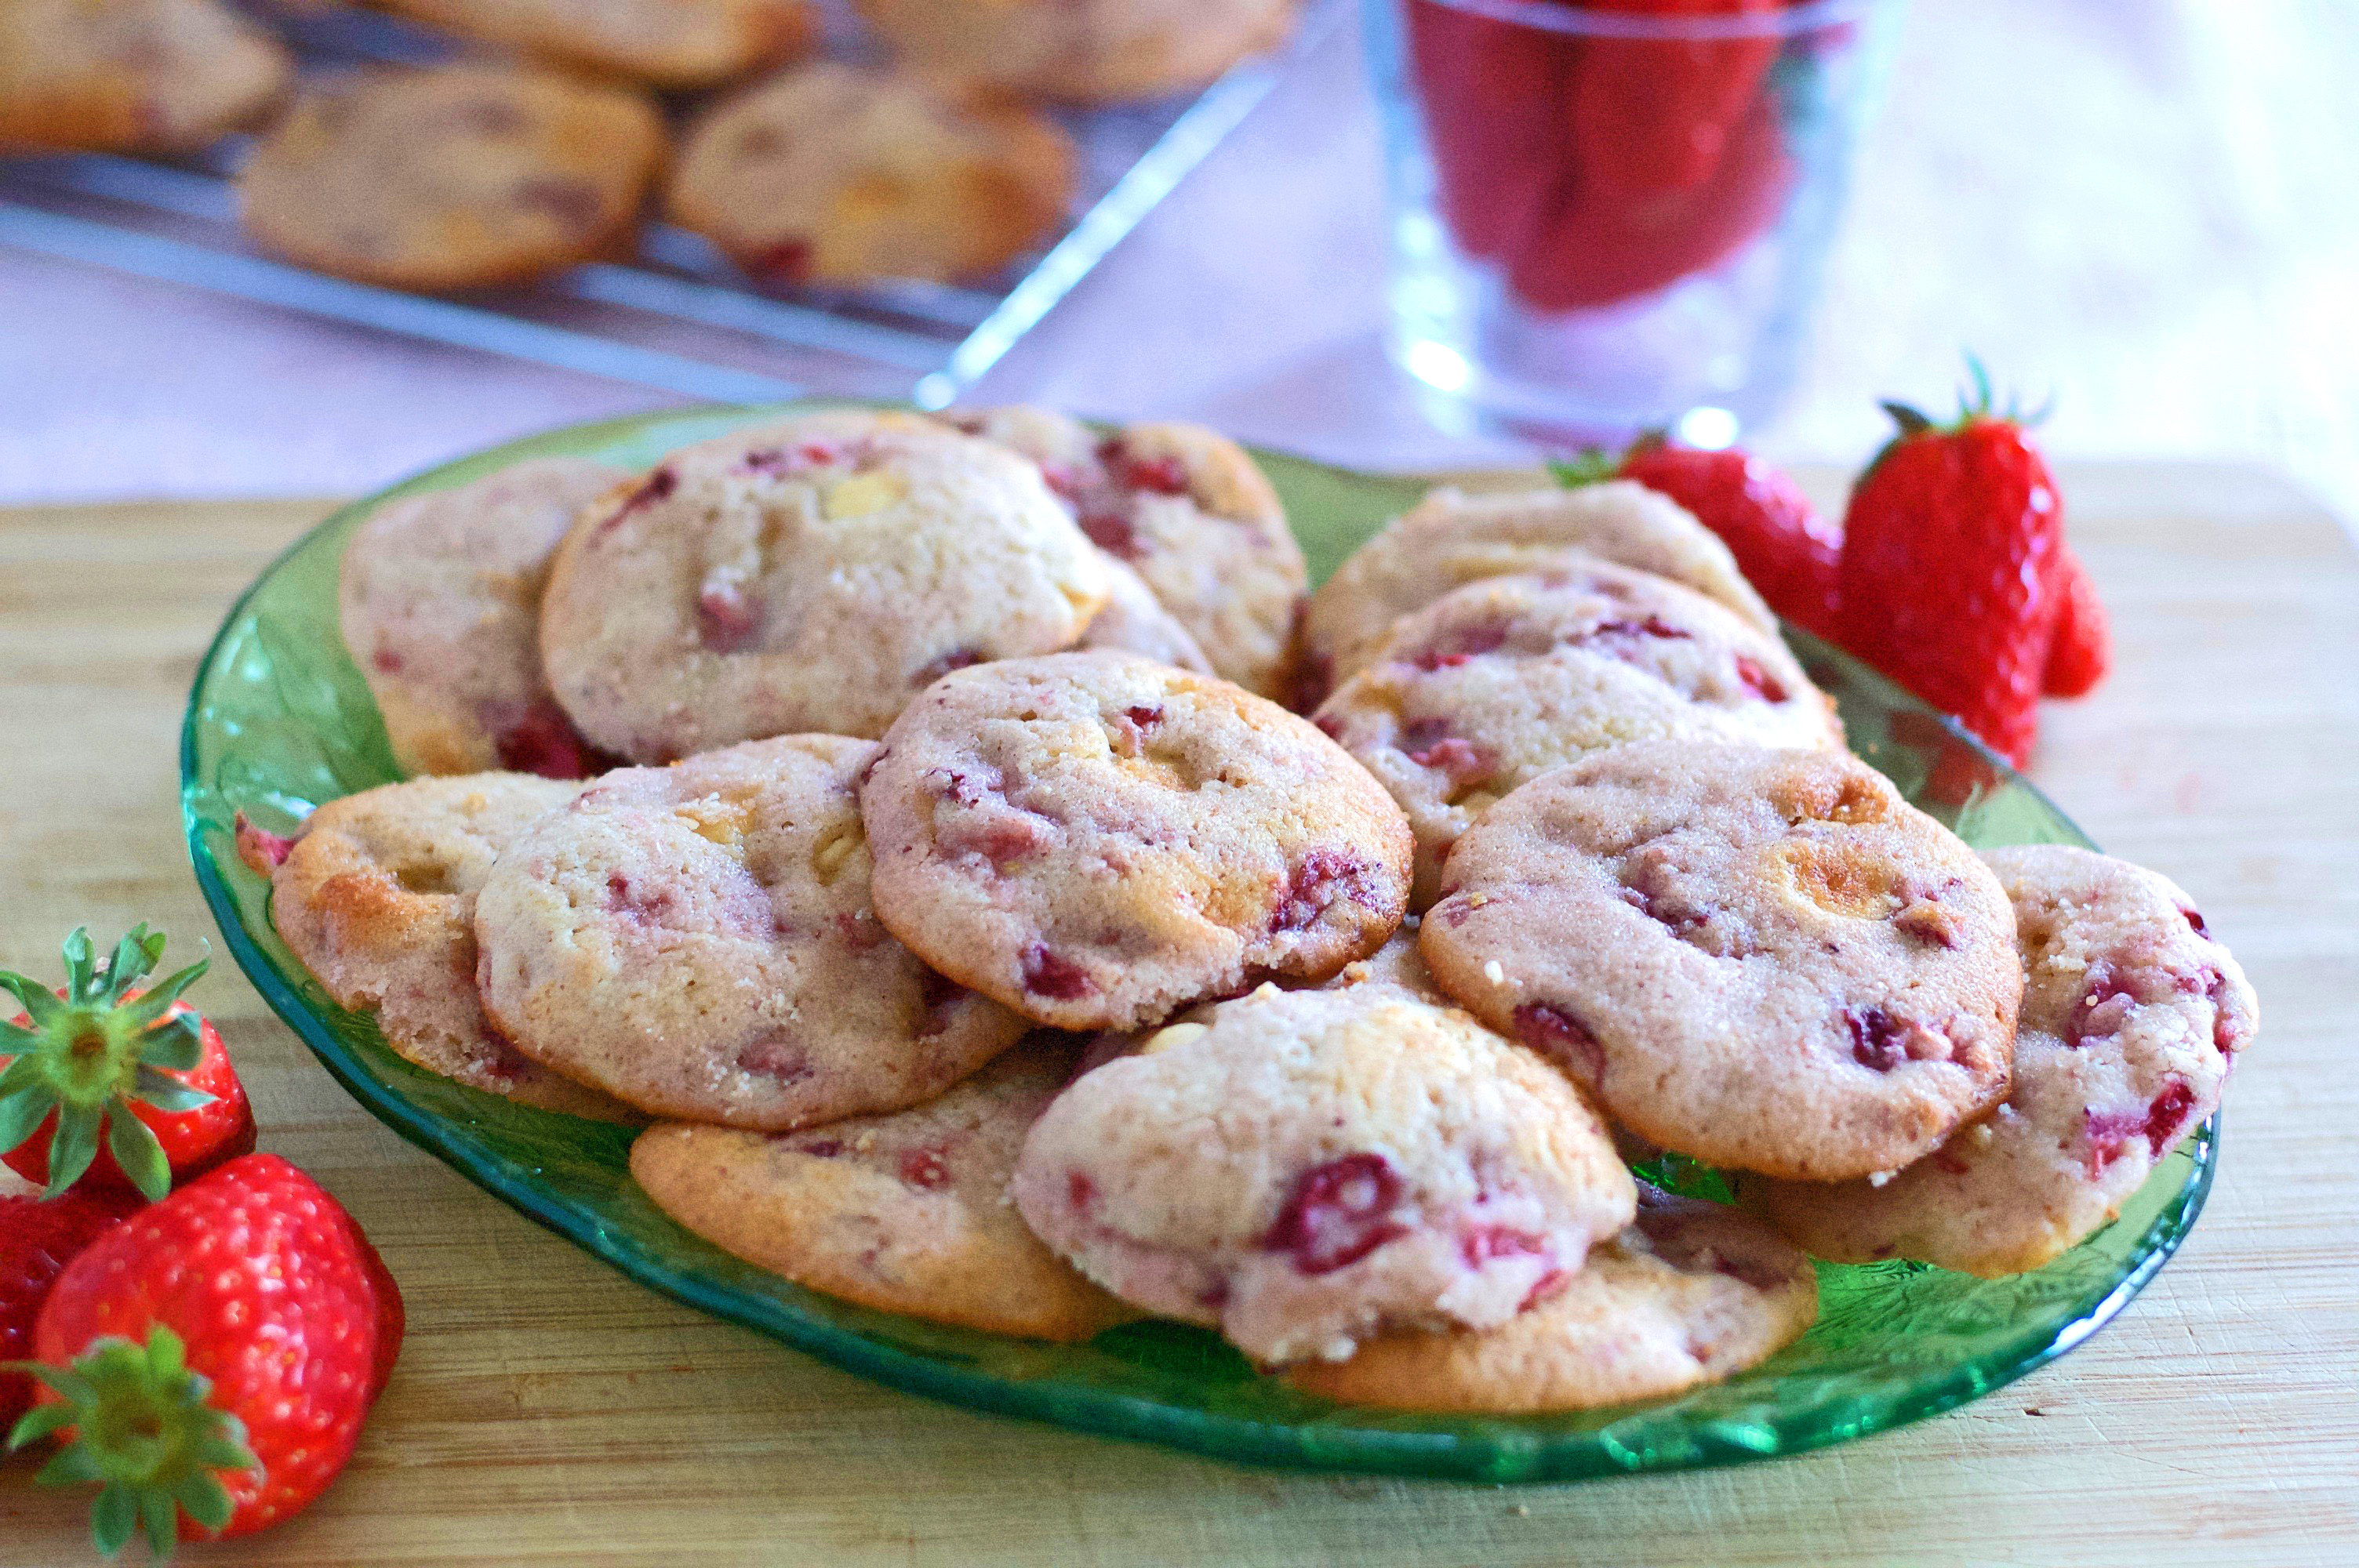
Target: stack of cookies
[
  {"x": 539, "y": 148},
  {"x": 900, "y": 815}
]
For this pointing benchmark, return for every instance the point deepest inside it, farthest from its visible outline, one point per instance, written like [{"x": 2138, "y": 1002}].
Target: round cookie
[
  {"x": 906, "y": 1213},
  {"x": 1689, "y": 1294},
  {"x": 812, "y": 575},
  {"x": 1187, "y": 508},
  {"x": 132, "y": 75},
  {"x": 440, "y": 603},
  {"x": 1091, "y": 51},
  {"x": 1133, "y": 621},
  {"x": 1759, "y": 958},
  {"x": 459, "y": 177},
  {"x": 1451, "y": 538},
  {"x": 670, "y": 44},
  {"x": 697, "y": 941},
  {"x": 376, "y": 896},
  {"x": 843, "y": 173},
  {"x": 1499, "y": 681},
  {"x": 1098, "y": 840},
  {"x": 2132, "y": 1016},
  {"x": 1305, "y": 1170}
]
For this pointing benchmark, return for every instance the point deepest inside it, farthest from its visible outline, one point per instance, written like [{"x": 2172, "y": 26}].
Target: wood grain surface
[{"x": 547, "y": 1410}]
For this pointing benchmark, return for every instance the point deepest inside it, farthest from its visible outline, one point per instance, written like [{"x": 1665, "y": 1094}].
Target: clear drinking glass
[{"x": 1606, "y": 218}]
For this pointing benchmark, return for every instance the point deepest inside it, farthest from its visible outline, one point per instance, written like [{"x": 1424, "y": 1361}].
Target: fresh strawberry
[
  {"x": 2084, "y": 642},
  {"x": 105, "y": 1055},
  {"x": 209, "y": 1365},
  {"x": 1652, "y": 116},
  {"x": 38, "y": 1238},
  {"x": 1947, "y": 576},
  {"x": 1492, "y": 91},
  {"x": 1595, "y": 245},
  {"x": 1781, "y": 543}
]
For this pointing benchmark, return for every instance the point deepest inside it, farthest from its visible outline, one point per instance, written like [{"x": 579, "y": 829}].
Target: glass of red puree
[{"x": 1610, "y": 215}]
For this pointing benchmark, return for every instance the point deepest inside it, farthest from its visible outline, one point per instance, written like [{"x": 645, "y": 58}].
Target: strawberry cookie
[
  {"x": 697, "y": 941},
  {"x": 812, "y": 575},
  {"x": 1689, "y": 1294},
  {"x": 440, "y": 600},
  {"x": 376, "y": 896},
  {"x": 1501, "y": 680},
  {"x": 1760, "y": 958},
  {"x": 2131, "y": 1017},
  {"x": 1305, "y": 1170},
  {"x": 1134, "y": 620},
  {"x": 1098, "y": 840},
  {"x": 458, "y": 177},
  {"x": 832, "y": 173},
  {"x": 1451, "y": 538},
  {"x": 132, "y": 75},
  {"x": 906, "y": 1213},
  {"x": 1089, "y": 51},
  {"x": 682, "y": 44},
  {"x": 1189, "y": 509}
]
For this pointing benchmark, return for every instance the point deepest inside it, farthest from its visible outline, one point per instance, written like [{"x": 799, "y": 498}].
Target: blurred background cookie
[
  {"x": 132, "y": 75},
  {"x": 833, "y": 173},
  {"x": 454, "y": 177},
  {"x": 1082, "y": 50},
  {"x": 665, "y": 43}
]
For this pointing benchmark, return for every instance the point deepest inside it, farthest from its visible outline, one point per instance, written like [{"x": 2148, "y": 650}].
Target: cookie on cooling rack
[
  {"x": 1091, "y": 51},
  {"x": 162, "y": 76},
  {"x": 458, "y": 177},
  {"x": 842, "y": 174},
  {"x": 665, "y": 43}
]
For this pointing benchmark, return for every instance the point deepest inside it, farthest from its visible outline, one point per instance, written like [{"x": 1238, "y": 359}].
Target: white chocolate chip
[{"x": 1493, "y": 973}]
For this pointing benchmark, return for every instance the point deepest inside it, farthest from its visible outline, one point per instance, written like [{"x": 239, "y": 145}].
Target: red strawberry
[
  {"x": 2085, "y": 644},
  {"x": 1596, "y": 246},
  {"x": 1492, "y": 91},
  {"x": 209, "y": 1364},
  {"x": 1654, "y": 115},
  {"x": 107, "y": 1056},
  {"x": 37, "y": 1239},
  {"x": 1947, "y": 576},
  {"x": 1781, "y": 543}
]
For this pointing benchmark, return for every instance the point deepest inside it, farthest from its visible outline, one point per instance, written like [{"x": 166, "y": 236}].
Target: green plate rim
[{"x": 1336, "y": 1449}]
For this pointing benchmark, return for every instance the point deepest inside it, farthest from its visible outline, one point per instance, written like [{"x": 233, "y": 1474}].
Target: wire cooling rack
[{"x": 676, "y": 315}]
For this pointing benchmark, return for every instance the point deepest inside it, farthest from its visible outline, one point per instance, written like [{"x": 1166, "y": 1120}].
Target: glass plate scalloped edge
[{"x": 279, "y": 719}]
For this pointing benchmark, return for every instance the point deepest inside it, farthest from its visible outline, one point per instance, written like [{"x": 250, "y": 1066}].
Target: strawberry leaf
[
  {"x": 37, "y": 999},
  {"x": 138, "y": 1154},
  {"x": 177, "y": 1043},
  {"x": 72, "y": 1147},
  {"x": 22, "y": 1111},
  {"x": 206, "y": 1499},
  {"x": 158, "y": 999},
  {"x": 166, "y": 1093},
  {"x": 81, "y": 972},
  {"x": 112, "y": 1517},
  {"x": 38, "y": 1424}
]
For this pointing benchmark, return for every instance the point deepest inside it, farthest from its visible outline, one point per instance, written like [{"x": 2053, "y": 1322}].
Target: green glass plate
[{"x": 280, "y": 720}]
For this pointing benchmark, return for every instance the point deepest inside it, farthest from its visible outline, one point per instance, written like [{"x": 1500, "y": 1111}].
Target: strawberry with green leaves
[
  {"x": 1784, "y": 547},
  {"x": 113, "y": 1084},
  {"x": 1950, "y": 578},
  {"x": 208, "y": 1365}
]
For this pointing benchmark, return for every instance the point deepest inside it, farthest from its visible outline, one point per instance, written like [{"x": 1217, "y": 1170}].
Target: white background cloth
[{"x": 2149, "y": 208}]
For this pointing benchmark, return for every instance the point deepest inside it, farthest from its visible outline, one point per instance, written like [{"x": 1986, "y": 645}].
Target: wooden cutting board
[{"x": 547, "y": 1410}]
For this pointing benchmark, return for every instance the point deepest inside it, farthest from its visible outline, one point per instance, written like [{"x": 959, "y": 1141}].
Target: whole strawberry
[
  {"x": 209, "y": 1364},
  {"x": 106, "y": 1060},
  {"x": 1781, "y": 543},
  {"x": 2084, "y": 642},
  {"x": 38, "y": 1238},
  {"x": 1947, "y": 581}
]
